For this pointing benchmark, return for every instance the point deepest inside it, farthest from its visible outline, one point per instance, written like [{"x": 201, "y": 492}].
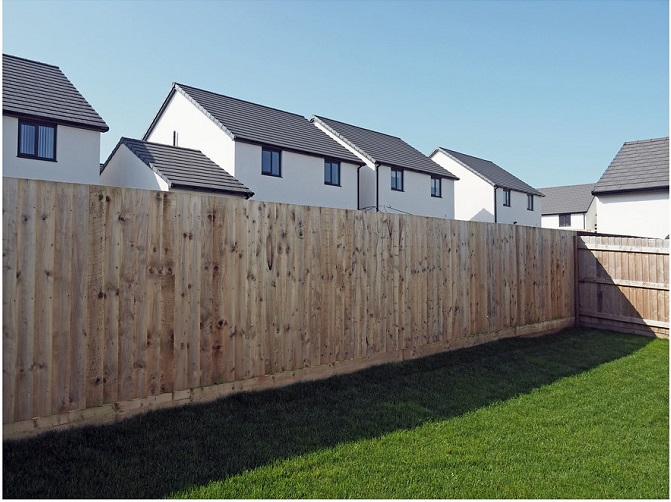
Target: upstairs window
[
  {"x": 436, "y": 188},
  {"x": 506, "y": 197},
  {"x": 564, "y": 220},
  {"x": 37, "y": 140},
  {"x": 332, "y": 173},
  {"x": 397, "y": 179},
  {"x": 530, "y": 202},
  {"x": 270, "y": 162}
]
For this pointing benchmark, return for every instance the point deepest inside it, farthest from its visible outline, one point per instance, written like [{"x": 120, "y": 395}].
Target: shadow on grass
[{"x": 161, "y": 452}]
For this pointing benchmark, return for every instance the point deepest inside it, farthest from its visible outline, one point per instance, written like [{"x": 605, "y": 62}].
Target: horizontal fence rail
[
  {"x": 117, "y": 300},
  {"x": 623, "y": 284}
]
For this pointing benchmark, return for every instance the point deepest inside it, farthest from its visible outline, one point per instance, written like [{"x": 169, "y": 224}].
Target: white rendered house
[
  {"x": 489, "y": 193},
  {"x": 632, "y": 195},
  {"x": 570, "y": 207},
  {"x": 396, "y": 177},
  {"x": 49, "y": 131},
  {"x": 278, "y": 155},
  {"x": 153, "y": 166}
]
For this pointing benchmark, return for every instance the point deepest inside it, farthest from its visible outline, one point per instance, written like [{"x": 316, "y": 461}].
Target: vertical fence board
[
  {"x": 44, "y": 295},
  {"x": 25, "y": 293},
  {"x": 10, "y": 316}
]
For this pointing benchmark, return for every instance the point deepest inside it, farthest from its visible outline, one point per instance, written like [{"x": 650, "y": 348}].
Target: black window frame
[
  {"x": 530, "y": 202},
  {"x": 437, "y": 193},
  {"x": 506, "y": 197},
  {"x": 399, "y": 176},
  {"x": 330, "y": 164},
  {"x": 270, "y": 172},
  {"x": 36, "y": 124},
  {"x": 563, "y": 220}
]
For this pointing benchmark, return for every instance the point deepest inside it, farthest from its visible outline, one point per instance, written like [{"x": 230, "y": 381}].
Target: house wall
[
  {"x": 552, "y": 221},
  {"x": 124, "y": 169},
  {"x": 517, "y": 213},
  {"x": 416, "y": 195},
  {"x": 473, "y": 196},
  {"x": 195, "y": 130},
  {"x": 77, "y": 155},
  {"x": 591, "y": 217},
  {"x": 643, "y": 214},
  {"x": 302, "y": 180}
]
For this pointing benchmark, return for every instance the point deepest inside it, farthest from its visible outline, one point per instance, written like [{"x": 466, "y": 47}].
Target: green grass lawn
[{"x": 579, "y": 414}]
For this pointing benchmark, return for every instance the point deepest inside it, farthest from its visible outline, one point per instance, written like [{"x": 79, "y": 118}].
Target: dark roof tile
[
  {"x": 40, "y": 90},
  {"x": 383, "y": 148},
  {"x": 639, "y": 165},
  {"x": 490, "y": 172},
  {"x": 184, "y": 167},
  {"x": 567, "y": 199},
  {"x": 259, "y": 124}
]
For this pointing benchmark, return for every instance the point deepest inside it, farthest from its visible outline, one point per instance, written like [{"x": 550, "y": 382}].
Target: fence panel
[
  {"x": 624, "y": 284},
  {"x": 120, "y": 300}
]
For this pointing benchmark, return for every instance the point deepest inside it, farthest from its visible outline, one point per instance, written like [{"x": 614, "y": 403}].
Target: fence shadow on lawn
[{"x": 153, "y": 455}]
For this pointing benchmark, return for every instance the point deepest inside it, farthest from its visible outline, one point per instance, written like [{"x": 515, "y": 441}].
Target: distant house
[
  {"x": 570, "y": 207},
  {"x": 396, "y": 176},
  {"x": 278, "y": 155},
  {"x": 49, "y": 131},
  {"x": 632, "y": 195},
  {"x": 152, "y": 166},
  {"x": 487, "y": 192}
]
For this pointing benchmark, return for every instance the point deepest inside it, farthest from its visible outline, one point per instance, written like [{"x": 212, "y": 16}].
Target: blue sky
[{"x": 548, "y": 90}]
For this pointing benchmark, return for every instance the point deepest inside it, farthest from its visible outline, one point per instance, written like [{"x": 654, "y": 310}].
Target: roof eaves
[
  {"x": 477, "y": 173},
  {"x": 61, "y": 121},
  {"x": 202, "y": 109},
  {"x": 315, "y": 118},
  {"x": 176, "y": 88}
]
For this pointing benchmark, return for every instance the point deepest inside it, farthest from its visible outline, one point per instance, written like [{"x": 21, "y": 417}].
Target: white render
[
  {"x": 124, "y": 169},
  {"x": 77, "y": 155},
  {"x": 195, "y": 130},
  {"x": 579, "y": 221},
  {"x": 416, "y": 195},
  {"x": 642, "y": 214},
  {"x": 302, "y": 180},
  {"x": 474, "y": 198},
  {"x": 375, "y": 188}
]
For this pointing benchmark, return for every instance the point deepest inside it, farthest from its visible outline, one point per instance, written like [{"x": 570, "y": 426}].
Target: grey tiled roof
[
  {"x": 40, "y": 90},
  {"x": 639, "y": 165},
  {"x": 490, "y": 172},
  {"x": 246, "y": 121},
  {"x": 383, "y": 148},
  {"x": 567, "y": 199},
  {"x": 183, "y": 167}
]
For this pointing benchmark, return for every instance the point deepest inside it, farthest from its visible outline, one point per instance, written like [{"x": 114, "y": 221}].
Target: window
[
  {"x": 270, "y": 162},
  {"x": 530, "y": 202},
  {"x": 331, "y": 173},
  {"x": 436, "y": 187},
  {"x": 37, "y": 140},
  {"x": 506, "y": 197},
  {"x": 564, "y": 220},
  {"x": 175, "y": 138},
  {"x": 397, "y": 179}
]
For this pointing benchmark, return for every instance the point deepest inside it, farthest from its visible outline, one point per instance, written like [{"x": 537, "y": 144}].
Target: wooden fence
[
  {"x": 624, "y": 284},
  {"x": 119, "y": 300}
]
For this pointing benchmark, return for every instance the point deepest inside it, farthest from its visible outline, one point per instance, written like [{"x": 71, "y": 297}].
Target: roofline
[
  {"x": 441, "y": 149},
  {"x": 30, "y": 60},
  {"x": 176, "y": 88},
  {"x": 449, "y": 175},
  {"x": 659, "y": 188},
  {"x": 316, "y": 119},
  {"x": 535, "y": 192},
  {"x": 295, "y": 150},
  {"x": 69, "y": 123},
  {"x": 663, "y": 138}
]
